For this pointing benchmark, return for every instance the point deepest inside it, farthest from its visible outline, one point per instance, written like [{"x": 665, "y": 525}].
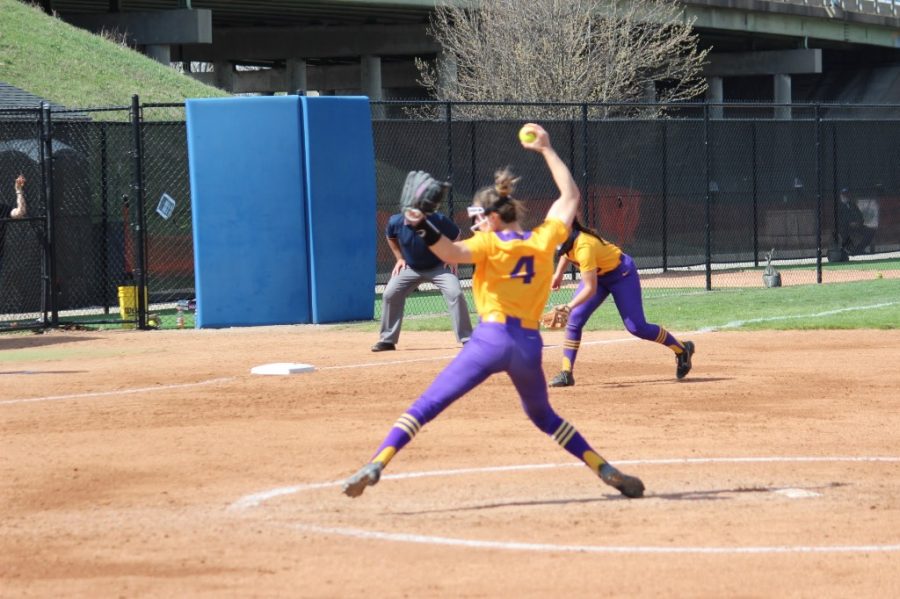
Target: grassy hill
[{"x": 70, "y": 66}]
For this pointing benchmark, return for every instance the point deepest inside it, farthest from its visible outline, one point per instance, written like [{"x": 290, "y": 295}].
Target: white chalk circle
[{"x": 255, "y": 500}]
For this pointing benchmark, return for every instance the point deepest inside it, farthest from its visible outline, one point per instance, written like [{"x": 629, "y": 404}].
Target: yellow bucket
[{"x": 128, "y": 301}]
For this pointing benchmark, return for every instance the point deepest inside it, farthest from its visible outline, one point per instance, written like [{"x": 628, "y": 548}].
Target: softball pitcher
[
  {"x": 606, "y": 269},
  {"x": 513, "y": 270}
]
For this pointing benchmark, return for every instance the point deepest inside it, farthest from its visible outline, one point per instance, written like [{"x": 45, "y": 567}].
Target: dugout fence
[{"x": 698, "y": 194}]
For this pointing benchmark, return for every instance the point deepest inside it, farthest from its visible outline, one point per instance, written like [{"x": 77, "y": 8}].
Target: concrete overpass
[{"x": 368, "y": 46}]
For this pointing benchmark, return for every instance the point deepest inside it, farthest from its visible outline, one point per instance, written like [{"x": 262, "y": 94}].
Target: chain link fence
[
  {"x": 22, "y": 240},
  {"x": 167, "y": 210},
  {"x": 92, "y": 241},
  {"x": 702, "y": 196}
]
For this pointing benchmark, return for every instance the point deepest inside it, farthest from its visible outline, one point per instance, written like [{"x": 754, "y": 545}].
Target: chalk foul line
[
  {"x": 735, "y": 324},
  {"x": 557, "y": 548},
  {"x": 257, "y": 499},
  {"x": 117, "y": 392}
]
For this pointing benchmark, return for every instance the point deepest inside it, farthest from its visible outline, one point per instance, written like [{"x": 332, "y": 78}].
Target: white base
[{"x": 282, "y": 368}]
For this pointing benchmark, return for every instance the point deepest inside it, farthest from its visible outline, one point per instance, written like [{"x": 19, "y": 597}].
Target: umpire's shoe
[
  {"x": 629, "y": 486},
  {"x": 683, "y": 360},
  {"x": 367, "y": 476},
  {"x": 563, "y": 379},
  {"x": 384, "y": 346}
]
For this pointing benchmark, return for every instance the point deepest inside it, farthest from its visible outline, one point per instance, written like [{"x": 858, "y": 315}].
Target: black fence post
[
  {"x": 708, "y": 197},
  {"x": 473, "y": 153},
  {"x": 450, "y": 157},
  {"x": 51, "y": 285},
  {"x": 753, "y": 194},
  {"x": 818, "y": 149},
  {"x": 835, "y": 238},
  {"x": 585, "y": 144},
  {"x": 665, "y": 196},
  {"x": 140, "y": 271},
  {"x": 104, "y": 219}
]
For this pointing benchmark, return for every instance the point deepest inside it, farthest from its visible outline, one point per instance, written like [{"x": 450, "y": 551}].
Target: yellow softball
[{"x": 527, "y": 134}]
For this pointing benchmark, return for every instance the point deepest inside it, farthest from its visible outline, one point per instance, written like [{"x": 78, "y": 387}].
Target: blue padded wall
[
  {"x": 339, "y": 165},
  {"x": 251, "y": 262}
]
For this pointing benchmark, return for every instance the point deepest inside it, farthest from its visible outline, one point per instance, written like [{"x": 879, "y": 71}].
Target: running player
[
  {"x": 513, "y": 269},
  {"x": 606, "y": 269}
]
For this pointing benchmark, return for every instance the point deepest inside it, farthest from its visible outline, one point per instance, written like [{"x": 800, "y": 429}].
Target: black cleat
[
  {"x": 384, "y": 346},
  {"x": 683, "y": 360},
  {"x": 629, "y": 486},
  {"x": 563, "y": 379},
  {"x": 367, "y": 476}
]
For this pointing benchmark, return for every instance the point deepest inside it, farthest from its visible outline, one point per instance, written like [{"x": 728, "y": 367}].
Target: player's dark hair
[
  {"x": 577, "y": 228},
  {"x": 498, "y": 197}
]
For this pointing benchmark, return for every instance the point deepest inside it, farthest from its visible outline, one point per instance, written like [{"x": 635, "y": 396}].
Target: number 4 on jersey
[{"x": 524, "y": 269}]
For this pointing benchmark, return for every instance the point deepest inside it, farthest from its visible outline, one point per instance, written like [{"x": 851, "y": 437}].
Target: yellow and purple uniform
[
  {"x": 592, "y": 253},
  {"x": 616, "y": 275},
  {"x": 512, "y": 279},
  {"x": 513, "y": 271}
]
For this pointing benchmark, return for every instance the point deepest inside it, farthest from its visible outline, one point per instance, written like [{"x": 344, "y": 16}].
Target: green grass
[
  {"x": 859, "y": 305},
  {"x": 871, "y": 304},
  {"x": 168, "y": 320},
  {"x": 51, "y": 59}
]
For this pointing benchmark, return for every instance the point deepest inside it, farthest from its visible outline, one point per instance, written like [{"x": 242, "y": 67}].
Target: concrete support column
[
  {"x": 447, "y": 69},
  {"x": 224, "y": 72},
  {"x": 296, "y": 75},
  {"x": 370, "y": 82},
  {"x": 370, "y": 77},
  {"x": 782, "y": 96},
  {"x": 160, "y": 53},
  {"x": 715, "y": 95},
  {"x": 649, "y": 92}
]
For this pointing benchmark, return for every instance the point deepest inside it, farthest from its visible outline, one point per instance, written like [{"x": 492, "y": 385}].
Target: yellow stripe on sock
[
  {"x": 563, "y": 426},
  {"x": 385, "y": 455},
  {"x": 571, "y": 344},
  {"x": 564, "y": 433},
  {"x": 406, "y": 428},
  {"x": 568, "y": 437},
  {"x": 593, "y": 460},
  {"x": 663, "y": 333},
  {"x": 411, "y": 421}
]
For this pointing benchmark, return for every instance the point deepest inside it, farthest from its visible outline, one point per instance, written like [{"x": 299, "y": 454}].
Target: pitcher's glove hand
[{"x": 556, "y": 318}]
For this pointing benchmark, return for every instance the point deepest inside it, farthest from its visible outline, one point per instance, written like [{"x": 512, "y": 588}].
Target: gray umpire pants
[{"x": 406, "y": 281}]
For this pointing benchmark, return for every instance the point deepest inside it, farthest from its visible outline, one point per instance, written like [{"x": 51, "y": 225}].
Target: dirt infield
[{"x": 155, "y": 464}]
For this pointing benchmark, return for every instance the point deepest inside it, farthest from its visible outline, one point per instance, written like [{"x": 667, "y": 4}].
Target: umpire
[{"x": 416, "y": 264}]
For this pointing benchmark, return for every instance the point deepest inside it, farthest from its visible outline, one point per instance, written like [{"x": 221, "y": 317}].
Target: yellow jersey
[
  {"x": 513, "y": 270},
  {"x": 590, "y": 253}
]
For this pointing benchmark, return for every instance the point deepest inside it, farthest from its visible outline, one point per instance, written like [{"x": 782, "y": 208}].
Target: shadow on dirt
[
  {"x": 699, "y": 495},
  {"x": 2, "y": 372},
  {"x": 32, "y": 341}
]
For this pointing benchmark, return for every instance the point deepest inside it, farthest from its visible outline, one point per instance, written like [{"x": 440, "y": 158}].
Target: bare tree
[{"x": 604, "y": 51}]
